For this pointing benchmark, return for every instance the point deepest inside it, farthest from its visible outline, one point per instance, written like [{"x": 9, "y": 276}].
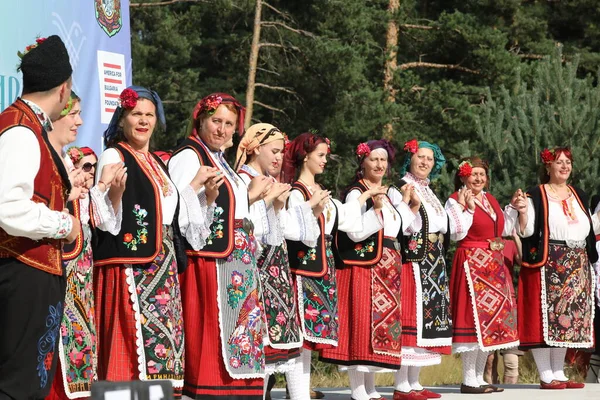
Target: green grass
[{"x": 449, "y": 372}]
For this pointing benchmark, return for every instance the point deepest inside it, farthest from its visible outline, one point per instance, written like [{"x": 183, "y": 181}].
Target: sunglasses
[
  {"x": 271, "y": 132},
  {"x": 87, "y": 167}
]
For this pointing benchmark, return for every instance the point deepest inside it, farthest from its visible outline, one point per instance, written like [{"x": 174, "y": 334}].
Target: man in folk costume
[{"x": 34, "y": 186}]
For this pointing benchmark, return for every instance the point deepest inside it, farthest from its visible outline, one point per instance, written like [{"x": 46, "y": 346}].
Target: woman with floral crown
[
  {"x": 481, "y": 286},
  {"x": 260, "y": 153},
  {"x": 556, "y": 286},
  {"x": 77, "y": 365},
  {"x": 221, "y": 286},
  {"x": 426, "y": 318},
  {"x": 313, "y": 265},
  {"x": 369, "y": 281},
  {"x": 136, "y": 282}
]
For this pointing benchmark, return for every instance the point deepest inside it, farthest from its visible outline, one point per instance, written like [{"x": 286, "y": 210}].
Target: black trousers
[{"x": 31, "y": 309}]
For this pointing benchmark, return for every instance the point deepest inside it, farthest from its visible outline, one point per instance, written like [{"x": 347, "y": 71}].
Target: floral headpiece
[
  {"x": 412, "y": 146},
  {"x": 548, "y": 156},
  {"x": 465, "y": 169},
  {"x": 75, "y": 154},
  {"x": 128, "y": 99},
  {"x": 328, "y": 145},
  {"x": 38, "y": 41},
  {"x": 210, "y": 104},
  {"x": 68, "y": 107},
  {"x": 363, "y": 150}
]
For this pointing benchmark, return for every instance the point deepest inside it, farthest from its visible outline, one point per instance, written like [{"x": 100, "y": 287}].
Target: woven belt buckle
[
  {"x": 248, "y": 226},
  {"x": 496, "y": 244},
  {"x": 575, "y": 244},
  {"x": 435, "y": 237}
]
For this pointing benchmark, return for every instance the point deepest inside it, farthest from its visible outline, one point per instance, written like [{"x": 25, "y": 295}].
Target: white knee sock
[
  {"x": 401, "y": 380},
  {"x": 413, "y": 378},
  {"x": 557, "y": 359},
  {"x": 266, "y": 384},
  {"x": 542, "y": 360},
  {"x": 482, "y": 357},
  {"x": 357, "y": 385},
  {"x": 298, "y": 378},
  {"x": 370, "y": 385},
  {"x": 469, "y": 362}
]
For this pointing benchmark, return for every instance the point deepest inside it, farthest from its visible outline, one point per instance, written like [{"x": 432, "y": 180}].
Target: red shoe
[
  {"x": 574, "y": 385},
  {"x": 429, "y": 394},
  {"x": 412, "y": 395},
  {"x": 553, "y": 385}
]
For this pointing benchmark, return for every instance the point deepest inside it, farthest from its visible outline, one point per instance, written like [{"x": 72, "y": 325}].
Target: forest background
[{"x": 502, "y": 79}]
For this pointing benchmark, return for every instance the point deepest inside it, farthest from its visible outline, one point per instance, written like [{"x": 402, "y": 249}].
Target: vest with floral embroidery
[
  {"x": 219, "y": 243},
  {"x": 415, "y": 246},
  {"x": 140, "y": 238},
  {"x": 365, "y": 253},
  {"x": 50, "y": 188},
  {"x": 310, "y": 261}
]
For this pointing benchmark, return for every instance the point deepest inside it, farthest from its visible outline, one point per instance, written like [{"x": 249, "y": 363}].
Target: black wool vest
[
  {"x": 310, "y": 261},
  {"x": 220, "y": 242},
  {"x": 535, "y": 247},
  {"x": 421, "y": 237}
]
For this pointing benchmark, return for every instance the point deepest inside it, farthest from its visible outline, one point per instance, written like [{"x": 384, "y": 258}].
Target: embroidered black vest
[
  {"x": 140, "y": 238},
  {"x": 310, "y": 261},
  {"x": 220, "y": 242},
  {"x": 365, "y": 253},
  {"x": 535, "y": 247},
  {"x": 419, "y": 253}
]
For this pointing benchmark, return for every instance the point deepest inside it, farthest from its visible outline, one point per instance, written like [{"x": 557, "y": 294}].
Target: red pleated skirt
[
  {"x": 355, "y": 304},
  {"x": 529, "y": 311},
  {"x": 205, "y": 373},
  {"x": 463, "y": 320}
]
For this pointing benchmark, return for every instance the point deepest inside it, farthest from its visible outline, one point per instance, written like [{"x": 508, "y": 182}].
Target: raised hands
[
  {"x": 211, "y": 187},
  {"x": 278, "y": 195},
  {"x": 204, "y": 174},
  {"x": 466, "y": 198},
  {"x": 318, "y": 201},
  {"x": 519, "y": 202},
  {"x": 259, "y": 187},
  {"x": 78, "y": 188}
]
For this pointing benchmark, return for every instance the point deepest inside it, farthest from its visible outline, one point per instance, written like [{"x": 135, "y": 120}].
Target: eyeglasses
[{"x": 87, "y": 167}]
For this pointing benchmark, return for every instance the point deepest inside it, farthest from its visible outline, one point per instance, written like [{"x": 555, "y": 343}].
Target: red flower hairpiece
[
  {"x": 210, "y": 104},
  {"x": 363, "y": 150},
  {"x": 548, "y": 156},
  {"x": 128, "y": 98},
  {"x": 328, "y": 145},
  {"x": 465, "y": 169},
  {"x": 411, "y": 146},
  {"x": 75, "y": 154},
  {"x": 38, "y": 41},
  {"x": 286, "y": 143}
]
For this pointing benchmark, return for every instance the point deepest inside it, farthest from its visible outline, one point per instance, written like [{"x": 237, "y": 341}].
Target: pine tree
[{"x": 558, "y": 109}]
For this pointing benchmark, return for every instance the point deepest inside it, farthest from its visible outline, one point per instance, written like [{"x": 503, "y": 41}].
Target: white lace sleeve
[
  {"x": 371, "y": 221},
  {"x": 412, "y": 226},
  {"x": 195, "y": 217},
  {"x": 530, "y": 221},
  {"x": 460, "y": 220},
  {"x": 511, "y": 219},
  {"x": 105, "y": 216},
  {"x": 299, "y": 223}
]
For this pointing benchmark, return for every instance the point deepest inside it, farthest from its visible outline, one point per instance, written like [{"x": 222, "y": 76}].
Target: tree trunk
[
  {"x": 253, "y": 63},
  {"x": 391, "y": 49}
]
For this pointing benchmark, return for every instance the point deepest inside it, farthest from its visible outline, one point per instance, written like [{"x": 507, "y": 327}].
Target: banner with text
[{"x": 97, "y": 36}]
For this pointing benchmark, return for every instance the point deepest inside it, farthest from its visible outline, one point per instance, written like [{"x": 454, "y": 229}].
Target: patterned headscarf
[
  {"x": 438, "y": 159},
  {"x": 256, "y": 136}
]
